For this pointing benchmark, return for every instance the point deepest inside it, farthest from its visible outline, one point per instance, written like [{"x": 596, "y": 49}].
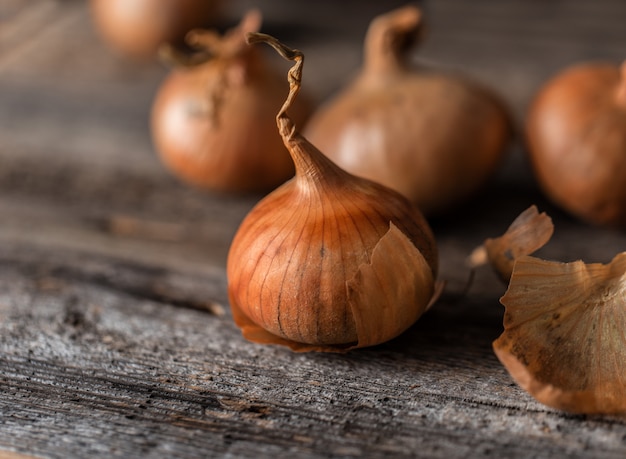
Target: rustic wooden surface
[{"x": 116, "y": 338}]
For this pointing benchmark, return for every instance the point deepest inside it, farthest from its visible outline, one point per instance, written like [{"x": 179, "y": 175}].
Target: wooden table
[{"x": 116, "y": 338}]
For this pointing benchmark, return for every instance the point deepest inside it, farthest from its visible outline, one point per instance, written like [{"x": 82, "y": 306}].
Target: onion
[
  {"x": 213, "y": 123},
  {"x": 433, "y": 137},
  {"x": 576, "y": 130},
  {"x": 137, "y": 28},
  {"x": 328, "y": 261}
]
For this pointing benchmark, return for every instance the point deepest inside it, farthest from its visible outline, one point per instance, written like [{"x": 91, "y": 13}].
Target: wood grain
[{"x": 116, "y": 338}]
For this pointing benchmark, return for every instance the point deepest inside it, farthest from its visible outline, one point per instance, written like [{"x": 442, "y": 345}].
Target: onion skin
[
  {"x": 563, "y": 339},
  {"x": 433, "y": 137},
  {"x": 213, "y": 124},
  {"x": 576, "y": 133},
  {"x": 529, "y": 232},
  {"x": 136, "y": 28},
  {"x": 328, "y": 261}
]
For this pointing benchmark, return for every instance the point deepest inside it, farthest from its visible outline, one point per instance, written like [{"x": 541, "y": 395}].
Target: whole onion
[
  {"x": 137, "y": 28},
  {"x": 213, "y": 123},
  {"x": 328, "y": 261},
  {"x": 576, "y": 131},
  {"x": 434, "y": 137}
]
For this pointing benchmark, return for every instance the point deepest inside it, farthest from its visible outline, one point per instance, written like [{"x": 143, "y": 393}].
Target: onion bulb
[
  {"x": 136, "y": 28},
  {"x": 435, "y": 138},
  {"x": 576, "y": 130},
  {"x": 328, "y": 261},
  {"x": 212, "y": 122}
]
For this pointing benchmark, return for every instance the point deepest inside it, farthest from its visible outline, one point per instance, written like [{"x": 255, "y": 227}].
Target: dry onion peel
[
  {"x": 565, "y": 333},
  {"x": 328, "y": 261},
  {"x": 529, "y": 232},
  {"x": 564, "y": 338}
]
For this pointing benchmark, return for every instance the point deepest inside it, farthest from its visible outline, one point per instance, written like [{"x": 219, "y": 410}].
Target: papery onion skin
[
  {"x": 303, "y": 266},
  {"x": 576, "y": 133},
  {"x": 213, "y": 125},
  {"x": 529, "y": 232},
  {"x": 136, "y": 28},
  {"x": 434, "y": 137},
  {"x": 565, "y": 333}
]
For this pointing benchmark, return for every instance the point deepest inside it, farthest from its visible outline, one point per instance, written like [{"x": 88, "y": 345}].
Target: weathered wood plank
[{"x": 95, "y": 362}]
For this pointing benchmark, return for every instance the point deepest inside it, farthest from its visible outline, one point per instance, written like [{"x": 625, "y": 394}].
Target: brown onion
[
  {"x": 576, "y": 131},
  {"x": 435, "y": 138},
  {"x": 137, "y": 28},
  {"x": 213, "y": 123},
  {"x": 328, "y": 261}
]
